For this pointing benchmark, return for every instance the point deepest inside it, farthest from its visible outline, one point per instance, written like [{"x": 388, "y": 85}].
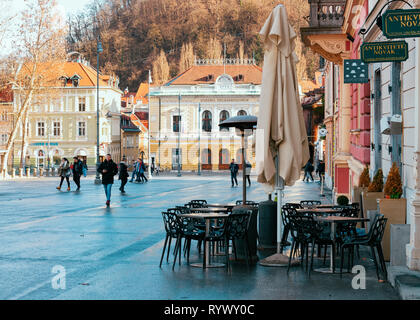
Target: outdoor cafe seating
[
  {"x": 309, "y": 224},
  {"x": 220, "y": 228},
  {"x": 311, "y": 227}
]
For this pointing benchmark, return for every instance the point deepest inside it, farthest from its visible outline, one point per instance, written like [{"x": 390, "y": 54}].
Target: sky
[{"x": 66, "y": 7}]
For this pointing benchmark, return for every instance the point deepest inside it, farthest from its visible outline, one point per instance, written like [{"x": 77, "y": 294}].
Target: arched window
[
  {"x": 223, "y": 116},
  {"x": 207, "y": 121},
  {"x": 241, "y": 113}
]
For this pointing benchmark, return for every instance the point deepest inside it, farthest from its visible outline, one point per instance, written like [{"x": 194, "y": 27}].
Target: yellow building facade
[{"x": 63, "y": 124}]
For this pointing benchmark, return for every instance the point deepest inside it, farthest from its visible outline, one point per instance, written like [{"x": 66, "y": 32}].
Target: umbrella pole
[
  {"x": 279, "y": 191},
  {"x": 278, "y": 259},
  {"x": 243, "y": 169}
]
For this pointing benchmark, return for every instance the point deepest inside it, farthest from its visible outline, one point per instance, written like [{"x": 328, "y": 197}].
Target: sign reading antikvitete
[
  {"x": 388, "y": 51},
  {"x": 401, "y": 23}
]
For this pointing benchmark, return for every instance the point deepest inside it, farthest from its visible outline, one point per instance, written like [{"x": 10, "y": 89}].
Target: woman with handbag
[{"x": 64, "y": 172}]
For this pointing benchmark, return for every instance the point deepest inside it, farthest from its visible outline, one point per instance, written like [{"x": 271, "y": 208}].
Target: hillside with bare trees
[{"x": 166, "y": 35}]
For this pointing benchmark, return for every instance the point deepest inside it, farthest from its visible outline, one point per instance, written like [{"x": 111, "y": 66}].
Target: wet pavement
[{"x": 114, "y": 253}]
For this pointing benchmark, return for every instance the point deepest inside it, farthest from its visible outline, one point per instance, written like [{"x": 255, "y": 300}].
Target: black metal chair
[
  {"x": 373, "y": 240},
  {"x": 199, "y": 203},
  {"x": 286, "y": 225},
  {"x": 305, "y": 233},
  {"x": 187, "y": 230},
  {"x": 310, "y": 203},
  {"x": 171, "y": 228},
  {"x": 248, "y": 203},
  {"x": 236, "y": 228}
]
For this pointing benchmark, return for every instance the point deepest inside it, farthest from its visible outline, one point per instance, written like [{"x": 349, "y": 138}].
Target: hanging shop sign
[
  {"x": 401, "y": 23},
  {"x": 355, "y": 71},
  {"x": 388, "y": 51}
]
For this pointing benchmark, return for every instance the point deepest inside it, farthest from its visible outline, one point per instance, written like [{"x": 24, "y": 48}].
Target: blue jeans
[
  {"x": 134, "y": 174},
  {"x": 107, "y": 188}
]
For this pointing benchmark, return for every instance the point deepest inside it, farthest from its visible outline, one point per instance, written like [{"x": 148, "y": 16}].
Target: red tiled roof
[
  {"x": 199, "y": 74},
  {"x": 6, "y": 94},
  {"x": 142, "y": 93}
]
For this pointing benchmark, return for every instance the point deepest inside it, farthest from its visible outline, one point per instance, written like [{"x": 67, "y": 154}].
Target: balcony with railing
[
  {"x": 326, "y": 13},
  {"x": 324, "y": 33}
]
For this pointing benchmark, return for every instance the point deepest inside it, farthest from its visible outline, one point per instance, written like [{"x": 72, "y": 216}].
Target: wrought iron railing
[{"x": 326, "y": 13}]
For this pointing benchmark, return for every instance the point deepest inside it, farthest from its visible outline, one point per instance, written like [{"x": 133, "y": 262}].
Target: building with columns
[
  {"x": 186, "y": 111},
  {"x": 353, "y": 112}
]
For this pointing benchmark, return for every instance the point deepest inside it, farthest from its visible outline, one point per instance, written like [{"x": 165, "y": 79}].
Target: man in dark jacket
[
  {"x": 108, "y": 169},
  {"x": 308, "y": 171},
  {"x": 123, "y": 174},
  {"x": 234, "y": 168},
  {"x": 77, "y": 169}
]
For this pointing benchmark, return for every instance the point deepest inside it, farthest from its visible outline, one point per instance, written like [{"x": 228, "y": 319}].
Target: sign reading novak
[
  {"x": 388, "y": 51},
  {"x": 401, "y": 23}
]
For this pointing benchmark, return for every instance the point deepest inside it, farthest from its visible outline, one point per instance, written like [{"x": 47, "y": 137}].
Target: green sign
[
  {"x": 388, "y": 51},
  {"x": 355, "y": 71},
  {"x": 401, "y": 23}
]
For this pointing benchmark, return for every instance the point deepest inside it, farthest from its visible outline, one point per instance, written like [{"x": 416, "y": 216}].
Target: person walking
[
  {"x": 64, "y": 172},
  {"x": 248, "y": 172},
  {"x": 142, "y": 169},
  {"x": 123, "y": 176},
  {"x": 135, "y": 167},
  {"x": 321, "y": 170},
  {"x": 77, "y": 169},
  {"x": 108, "y": 169},
  {"x": 308, "y": 171},
  {"x": 234, "y": 168},
  {"x": 85, "y": 168}
]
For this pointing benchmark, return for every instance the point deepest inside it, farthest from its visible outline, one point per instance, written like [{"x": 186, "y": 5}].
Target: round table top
[
  {"x": 204, "y": 215},
  {"x": 318, "y": 210},
  {"x": 209, "y": 210},
  {"x": 340, "y": 219}
]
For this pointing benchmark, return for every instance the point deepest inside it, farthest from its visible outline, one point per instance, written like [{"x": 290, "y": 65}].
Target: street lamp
[
  {"x": 199, "y": 136},
  {"x": 179, "y": 134},
  {"x": 98, "y": 51}
]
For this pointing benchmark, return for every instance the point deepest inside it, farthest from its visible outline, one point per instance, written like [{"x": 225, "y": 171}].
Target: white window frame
[
  {"x": 81, "y": 102},
  {"x": 38, "y": 127},
  {"x": 78, "y": 127}
]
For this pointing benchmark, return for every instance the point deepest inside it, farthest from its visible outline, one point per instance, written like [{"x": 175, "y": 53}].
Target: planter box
[
  {"x": 356, "y": 194},
  {"x": 369, "y": 201},
  {"x": 395, "y": 211}
]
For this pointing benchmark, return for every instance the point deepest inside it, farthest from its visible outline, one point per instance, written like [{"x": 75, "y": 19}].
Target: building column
[
  {"x": 344, "y": 114},
  {"x": 341, "y": 158},
  {"x": 413, "y": 248}
]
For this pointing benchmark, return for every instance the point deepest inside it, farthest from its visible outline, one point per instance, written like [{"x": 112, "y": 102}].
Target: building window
[
  {"x": 56, "y": 129},
  {"x": 3, "y": 116},
  {"x": 176, "y": 123},
  {"x": 81, "y": 129},
  {"x": 4, "y": 138},
  {"x": 82, "y": 104},
  {"x": 207, "y": 121},
  {"x": 241, "y": 113},
  {"x": 223, "y": 116},
  {"x": 41, "y": 128}
]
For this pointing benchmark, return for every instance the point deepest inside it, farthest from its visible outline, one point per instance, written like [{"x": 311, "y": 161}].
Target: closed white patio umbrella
[{"x": 282, "y": 143}]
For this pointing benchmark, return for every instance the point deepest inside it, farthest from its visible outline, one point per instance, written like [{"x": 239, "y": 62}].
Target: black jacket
[
  {"x": 123, "y": 171},
  {"x": 234, "y": 168},
  {"x": 77, "y": 168},
  {"x": 111, "y": 170}
]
